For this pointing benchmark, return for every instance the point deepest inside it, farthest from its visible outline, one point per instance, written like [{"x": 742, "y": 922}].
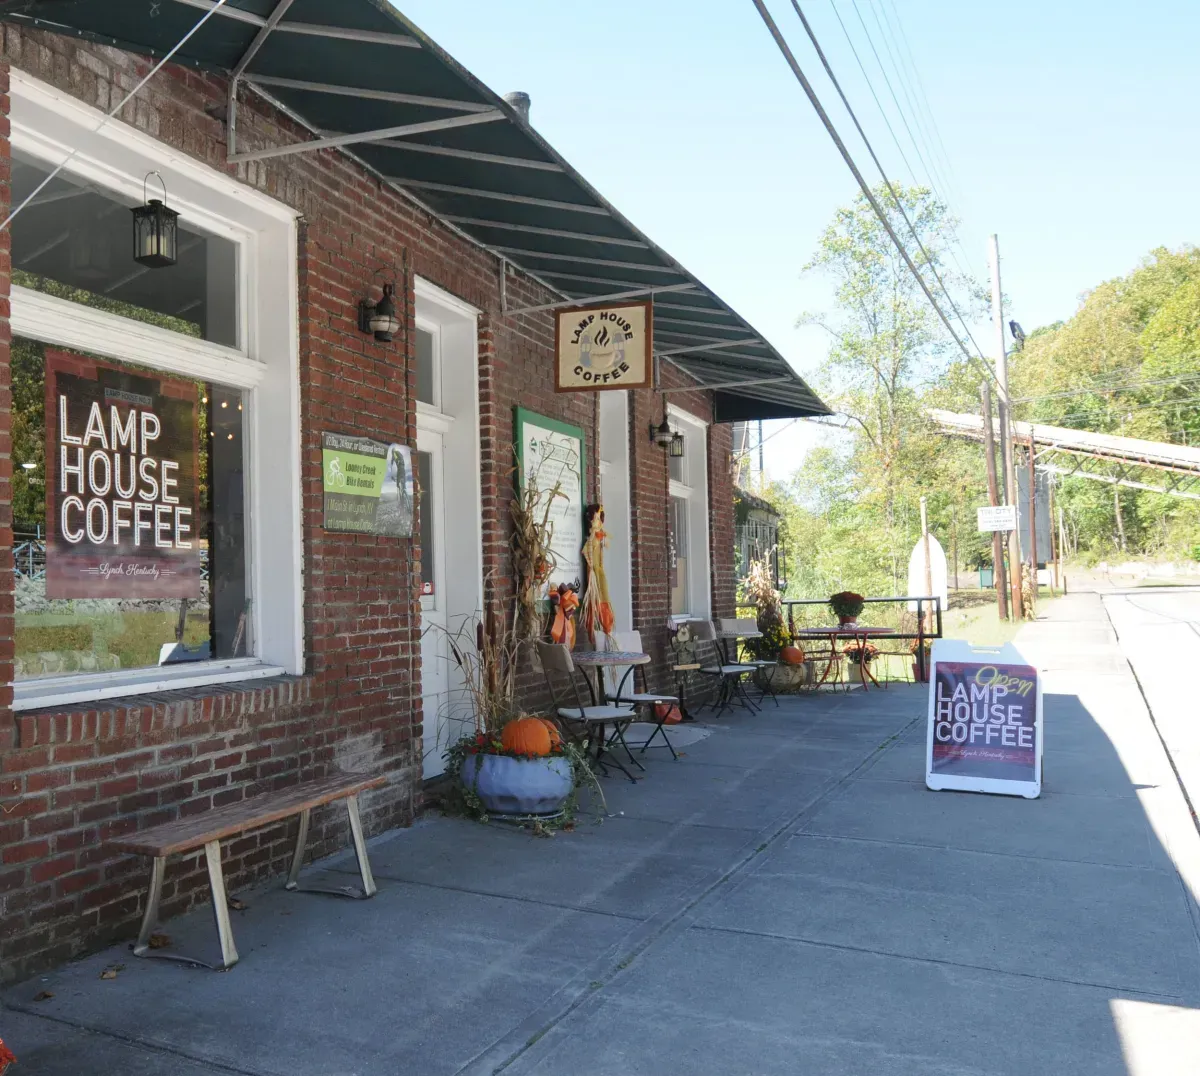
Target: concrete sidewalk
[{"x": 786, "y": 898}]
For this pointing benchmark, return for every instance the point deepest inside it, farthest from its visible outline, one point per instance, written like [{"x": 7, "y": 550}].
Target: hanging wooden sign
[{"x": 604, "y": 347}]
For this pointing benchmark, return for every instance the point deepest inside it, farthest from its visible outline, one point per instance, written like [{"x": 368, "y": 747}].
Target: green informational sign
[{"x": 368, "y": 486}]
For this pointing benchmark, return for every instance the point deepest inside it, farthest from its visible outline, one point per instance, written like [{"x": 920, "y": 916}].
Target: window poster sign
[
  {"x": 368, "y": 486},
  {"x": 985, "y": 721},
  {"x": 550, "y": 453},
  {"x": 121, "y": 482},
  {"x": 604, "y": 347}
]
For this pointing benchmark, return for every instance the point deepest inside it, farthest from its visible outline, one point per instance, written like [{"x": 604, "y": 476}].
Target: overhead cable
[
  {"x": 883, "y": 173},
  {"x": 790, "y": 57},
  {"x": 920, "y": 85},
  {"x": 895, "y": 138},
  {"x": 115, "y": 109}
]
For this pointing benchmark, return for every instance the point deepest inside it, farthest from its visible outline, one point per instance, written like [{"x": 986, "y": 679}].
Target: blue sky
[{"x": 1070, "y": 129}]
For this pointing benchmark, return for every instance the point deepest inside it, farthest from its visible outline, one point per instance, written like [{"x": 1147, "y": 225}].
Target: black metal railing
[{"x": 929, "y": 607}]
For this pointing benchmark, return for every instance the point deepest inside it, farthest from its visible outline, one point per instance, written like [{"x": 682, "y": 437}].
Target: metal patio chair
[
  {"x": 729, "y": 674},
  {"x": 766, "y": 669},
  {"x": 620, "y": 682},
  {"x": 589, "y": 721}
]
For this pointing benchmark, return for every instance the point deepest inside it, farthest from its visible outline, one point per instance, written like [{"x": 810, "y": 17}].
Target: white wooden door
[{"x": 435, "y": 653}]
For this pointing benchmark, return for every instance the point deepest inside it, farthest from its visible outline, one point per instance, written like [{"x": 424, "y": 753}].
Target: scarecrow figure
[
  {"x": 564, "y": 603},
  {"x": 597, "y": 609}
]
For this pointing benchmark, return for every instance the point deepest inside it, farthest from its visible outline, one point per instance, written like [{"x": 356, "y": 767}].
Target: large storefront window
[
  {"x": 74, "y": 241},
  {"x": 128, "y": 516},
  {"x": 155, "y": 420}
]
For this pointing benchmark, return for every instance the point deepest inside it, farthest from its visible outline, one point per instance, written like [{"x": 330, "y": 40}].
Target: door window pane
[
  {"x": 678, "y": 554},
  {"x": 128, "y": 516},
  {"x": 75, "y": 241},
  {"x": 427, "y": 508},
  {"x": 427, "y": 368},
  {"x": 677, "y": 466}
]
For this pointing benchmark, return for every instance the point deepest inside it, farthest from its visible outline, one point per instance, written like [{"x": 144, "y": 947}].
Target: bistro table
[
  {"x": 599, "y": 660},
  {"x": 857, "y": 633}
]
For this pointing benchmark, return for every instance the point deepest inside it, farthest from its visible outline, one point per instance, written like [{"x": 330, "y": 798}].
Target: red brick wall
[{"x": 69, "y": 781}]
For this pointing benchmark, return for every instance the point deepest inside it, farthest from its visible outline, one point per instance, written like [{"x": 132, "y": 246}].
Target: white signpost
[
  {"x": 985, "y": 721},
  {"x": 1001, "y": 517}
]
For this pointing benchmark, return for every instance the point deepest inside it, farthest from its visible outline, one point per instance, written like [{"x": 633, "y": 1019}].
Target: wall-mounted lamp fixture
[
  {"x": 155, "y": 230},
  {"x": 380, "y": 318},
  {"x": 661, "y": 434}
]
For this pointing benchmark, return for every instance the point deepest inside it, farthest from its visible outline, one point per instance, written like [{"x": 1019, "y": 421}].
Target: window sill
[{"x": 64, "y": 690}]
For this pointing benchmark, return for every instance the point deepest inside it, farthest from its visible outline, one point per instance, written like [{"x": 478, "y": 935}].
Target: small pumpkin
[
  {"x": 555, "y": 735},
  {"x": 791, "y": 655},
  {"x": 526, "y": 736}
]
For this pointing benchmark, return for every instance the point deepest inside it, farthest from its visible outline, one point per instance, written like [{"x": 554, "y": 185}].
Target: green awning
[{"x": 346, "y": 69}]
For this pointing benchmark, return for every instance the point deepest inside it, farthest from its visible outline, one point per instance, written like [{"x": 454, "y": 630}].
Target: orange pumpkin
[
  {"x": 526, "y": 736},
  {"x": 791, "y": 655},
  {"x": 552, "y": 728}
]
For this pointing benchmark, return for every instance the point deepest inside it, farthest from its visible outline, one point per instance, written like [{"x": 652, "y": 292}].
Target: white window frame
[
  {"x": 695, "y": 492},
  {"x": 49, "y": 125}
]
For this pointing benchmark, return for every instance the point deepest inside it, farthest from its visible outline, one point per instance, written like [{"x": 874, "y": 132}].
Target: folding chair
[
  {"x": 556, "y": 658},
  {"x": 621, "y": 689},
  {"x": 747, "y": 625},
  {"x": 729, "y": 674}
]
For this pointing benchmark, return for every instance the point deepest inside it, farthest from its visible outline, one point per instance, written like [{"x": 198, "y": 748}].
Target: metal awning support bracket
[
  {"x": 708, "y": 347},
  {"x": 702, "y": 387},
  {"x": 631, "y": 294},
  {"x": 405, "y": 131}
]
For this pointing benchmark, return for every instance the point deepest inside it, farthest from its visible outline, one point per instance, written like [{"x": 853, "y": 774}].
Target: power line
[
  {"x": 934, "y": 169},
  {"x": 1107, "y": 387},
  {"x": 924, "y": 97},
  {"x": 116, "y": 108},
  {"x": 883, "y": 173},
  {"x": 892, "y": 131},
  {"x": 790, "y": 57}
]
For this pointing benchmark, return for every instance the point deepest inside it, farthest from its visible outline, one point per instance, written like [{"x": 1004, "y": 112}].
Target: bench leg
[
  {"x": 298, "y": 858},
  {"x": 150, "y": 918},
  {"x": 360, "y": 847},
  {"x": 216, "y": 880}
]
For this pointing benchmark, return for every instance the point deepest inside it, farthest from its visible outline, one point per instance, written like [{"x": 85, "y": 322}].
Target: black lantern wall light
[
  {"x": 380, "y": 318},
  {"x": 155, "y": 230},
  {"x": 663, "y": 436}
]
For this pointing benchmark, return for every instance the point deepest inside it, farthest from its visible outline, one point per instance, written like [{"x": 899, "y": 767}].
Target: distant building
[{"x": 756, "y": 535}]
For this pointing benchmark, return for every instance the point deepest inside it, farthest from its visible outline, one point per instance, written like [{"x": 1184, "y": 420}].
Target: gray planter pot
[
  {"x": 787, "y": 678},
  {"x": 518, "y": 786}
]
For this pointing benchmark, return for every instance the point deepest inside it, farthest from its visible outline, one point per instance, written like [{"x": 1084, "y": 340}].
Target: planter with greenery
[
  {"x": 760, "y": 592},
  {"x": 513, "y": 765},
  {"x": 846, "y": 606}
]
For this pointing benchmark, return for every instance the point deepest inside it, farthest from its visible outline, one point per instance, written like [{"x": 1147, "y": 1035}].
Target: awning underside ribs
[{"x": 361, "y": 79}]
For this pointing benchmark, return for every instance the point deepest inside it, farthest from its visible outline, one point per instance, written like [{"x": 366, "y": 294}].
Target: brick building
[{"x": 307, "y": 651}]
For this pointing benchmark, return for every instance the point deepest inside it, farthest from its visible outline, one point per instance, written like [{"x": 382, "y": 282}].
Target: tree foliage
[{"x": 851, "y": 511}]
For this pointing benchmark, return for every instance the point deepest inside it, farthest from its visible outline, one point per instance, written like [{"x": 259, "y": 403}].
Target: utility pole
[
  {"x": 1000, "y": 576},
  {"x": 1033, "y": 557},
  {"x": 925, "y": 551},
  {"x": 1006, "y": 445},
  {"x": 1054, "y": 545},
  {"x": 954, "y": 542}
]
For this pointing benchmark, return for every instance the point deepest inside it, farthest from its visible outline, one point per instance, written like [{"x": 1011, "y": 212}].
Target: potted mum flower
[
  {"x": 846, "y": 606},
  {"x": 7, "y": 1057}
]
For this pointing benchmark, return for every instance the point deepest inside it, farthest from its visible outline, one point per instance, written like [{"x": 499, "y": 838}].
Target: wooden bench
[{"x": 207, "y": 830}]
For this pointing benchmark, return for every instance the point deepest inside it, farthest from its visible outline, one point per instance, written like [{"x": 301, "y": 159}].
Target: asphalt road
[{"x": 1158, "y": 629}]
